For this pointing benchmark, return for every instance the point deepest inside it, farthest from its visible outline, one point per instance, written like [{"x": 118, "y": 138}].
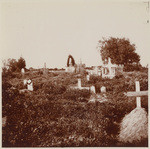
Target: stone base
[{"x": 70, "y": 69}]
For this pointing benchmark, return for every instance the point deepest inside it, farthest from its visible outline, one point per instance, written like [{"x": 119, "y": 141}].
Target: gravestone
[
  {"x": 103, "y": 89},
  {"x": 79, "y": 83},
  {"x": 25, "y": 82},
  {"x": 45, "y": 71},
  {"x": 92, "y": 88},
  {"x": 99, "y": 73},
  {"x": 22, "y": 71},
  {"x": 29, "y": 85},
  {"x": 134, "y": 126},
  {"x": 138, "y": 99},
  {"x": 70, "y": 64},
  {"x": 88, "y": 77}
]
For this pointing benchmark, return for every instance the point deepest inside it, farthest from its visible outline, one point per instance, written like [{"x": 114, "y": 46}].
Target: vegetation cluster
[{"x": 56, "y": 115}]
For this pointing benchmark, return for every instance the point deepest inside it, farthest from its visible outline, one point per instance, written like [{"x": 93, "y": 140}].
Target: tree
[
  {"x": 12, "y": 64},
  {"x": 21, "y": 63},
  {"x": 120, "y": 50}
]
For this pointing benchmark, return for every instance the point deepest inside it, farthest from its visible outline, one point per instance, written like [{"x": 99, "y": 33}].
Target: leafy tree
[
  {"x": 120, "y": 50},
  {"x": 21, "y": 63},
  {"x": 12, "y": 64}
]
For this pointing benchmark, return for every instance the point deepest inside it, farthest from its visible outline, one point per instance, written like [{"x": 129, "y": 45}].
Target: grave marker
[
  {"x": 103, "y": 89},
  {"x": 138, "y": 99},
  {"x": 22, "y": 71},
  {"x": 137, "y": 94},
  {"x": 25, "y": 82},
  {"x": 88, "y": 77},
  {"x": 30, "y": 85},
  {"x": 92, "y": 88},
  {"x": 134, "y": 126},
  {"x": 79, "y": 83}
]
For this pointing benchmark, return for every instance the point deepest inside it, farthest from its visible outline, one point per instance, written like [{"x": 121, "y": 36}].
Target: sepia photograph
[{"x": 74, "y": 73}]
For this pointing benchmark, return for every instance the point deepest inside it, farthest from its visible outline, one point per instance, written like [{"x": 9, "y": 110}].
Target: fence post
[{"x": 138, "y": 99}]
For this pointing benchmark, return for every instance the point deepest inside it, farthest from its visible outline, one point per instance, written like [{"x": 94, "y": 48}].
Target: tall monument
[{"x": 70, "y": 64}]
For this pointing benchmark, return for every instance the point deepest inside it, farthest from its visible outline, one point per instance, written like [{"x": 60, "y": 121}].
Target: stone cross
[
  {"x": 92, "y": 88},
  {"x": 30, "y": 85},
  {"x": 138, "y": 94},
  {"x": 138, "y": 99},
  {"x": 79, "y": 83}
]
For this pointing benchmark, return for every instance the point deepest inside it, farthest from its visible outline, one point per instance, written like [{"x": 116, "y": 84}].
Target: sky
[{"x": 47, "y": 31}]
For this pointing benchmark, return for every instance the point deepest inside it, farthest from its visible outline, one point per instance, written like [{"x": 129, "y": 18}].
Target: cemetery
[
  {"x": 74, "y": 73},
  {"x": 75, "y": 108}
]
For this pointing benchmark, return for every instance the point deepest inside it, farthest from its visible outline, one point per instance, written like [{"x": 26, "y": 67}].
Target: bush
[
  {"x": 132, "y": 67},
  {"x": 94, "y": 79},
  {"x": 68, "y": 120},
  {"x": 76, "y": 94},
  {"x": 52, "y": 88}
]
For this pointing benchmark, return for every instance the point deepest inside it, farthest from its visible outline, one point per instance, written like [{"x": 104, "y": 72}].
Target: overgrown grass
[{"x": 56, "y": 116}]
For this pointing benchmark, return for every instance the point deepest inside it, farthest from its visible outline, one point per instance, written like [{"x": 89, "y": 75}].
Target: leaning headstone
[
  {"x": 92, "y": 88},
  {"x": 30, "y": 85},
  {"x": 103, "y": 89},
  {"x": 79, "y": 83},
  {"x": 88, "y": 77}
]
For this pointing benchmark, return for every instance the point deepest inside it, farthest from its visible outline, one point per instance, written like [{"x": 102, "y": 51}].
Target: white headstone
[
  {"x": 30, "y": 85},
  {"x": 22, "y": 71},
  {"x": 99, "y": 73},
  {"x": 138, "y": 99},
  {"x": 88, "y": 77},
  {"x": 103, "y": 89},
  {"x": 93, "y": 89},
  {"x": 79, "y": 83},
  {"x": 25, "y": 82}
]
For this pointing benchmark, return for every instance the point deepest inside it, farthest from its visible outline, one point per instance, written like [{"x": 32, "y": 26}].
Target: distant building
[
  {"x": 109, "y": 70},
  {"x": 94, "y": 70}
]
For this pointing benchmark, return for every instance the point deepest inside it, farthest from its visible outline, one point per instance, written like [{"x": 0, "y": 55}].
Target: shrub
[
  {"x": 35, "y": 121},
  {"x": 94, "y": 79},
  {"x": 38, "y": 85},
  {"x": 76, "y": 94},
  {"x": 132, "y": 67},
  {"x": 52, "y": 88}
]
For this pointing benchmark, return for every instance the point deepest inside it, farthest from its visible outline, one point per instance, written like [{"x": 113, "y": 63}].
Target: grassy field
[{"x": 55, "y": 115}]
